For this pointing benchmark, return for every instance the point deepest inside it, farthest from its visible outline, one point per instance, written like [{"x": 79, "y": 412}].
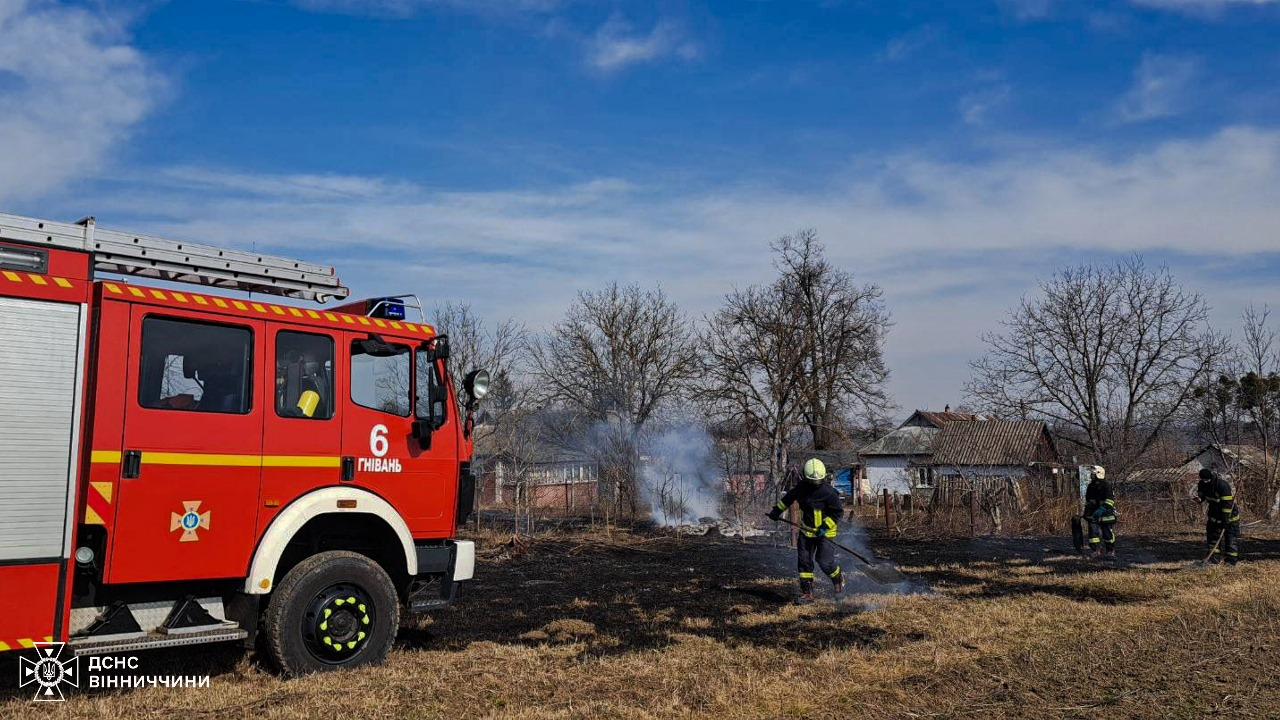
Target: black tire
[{"x": 334, "y": 610}]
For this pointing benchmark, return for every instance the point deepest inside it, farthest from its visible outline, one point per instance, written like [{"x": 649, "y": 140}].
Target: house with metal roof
[
  {"x": 898, "y": 462},
  {"x": 996, "y": 453}
]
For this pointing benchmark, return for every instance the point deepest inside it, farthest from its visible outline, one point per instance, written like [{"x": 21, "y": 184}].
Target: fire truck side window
[
  {"x": 380, "y": 377},
  {"x": 195, "y": 366},
  {"x": 304, "y": 376}
]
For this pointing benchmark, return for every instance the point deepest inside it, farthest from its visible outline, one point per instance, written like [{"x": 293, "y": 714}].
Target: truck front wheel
[{"x": 334, "y": 610}]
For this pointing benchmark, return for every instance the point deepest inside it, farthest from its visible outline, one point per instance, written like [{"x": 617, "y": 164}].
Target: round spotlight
[
  {"x": 478, "y": 383},
  {"x": 84, "y": 555}
]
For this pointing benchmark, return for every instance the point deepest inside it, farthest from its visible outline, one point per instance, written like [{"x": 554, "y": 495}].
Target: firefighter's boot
[
  {"x": 837, "y": 581},
  {"x": 806, "y": 592}
]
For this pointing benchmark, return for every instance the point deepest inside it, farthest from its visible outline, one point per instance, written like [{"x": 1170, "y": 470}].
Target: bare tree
[
  {"x": 619, "y": 356},
  {"x": 514, "y": 440},
  {"x": 1259, "y": 397},
  {"x": 473, "y": 345},
  {"x": 805, "y": 348},
  {"x": 845, "y": 326},
  {"x": 737, "y": 448},
  {"x": 1110, "y": 354},
  {"x": 755, "y": 354}
]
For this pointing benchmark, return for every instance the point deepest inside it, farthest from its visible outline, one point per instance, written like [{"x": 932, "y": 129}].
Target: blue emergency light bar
[{"x": 386, "y": 308}]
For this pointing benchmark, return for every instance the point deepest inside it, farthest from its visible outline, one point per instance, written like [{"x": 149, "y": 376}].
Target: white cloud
[
  {"x": 954, "y": 245},
  {"x": 407, "y": 8},
  {"x": 1028, "y": 9},
  {"x": 909, "y": 43},
  {"x": 71, "y": 89},
  {"x": 1201, "y": 5},
  {"x": 617, "y": 45},
  {"x": 1161, "y": 86},
  {"x": 975, "y": 107}
]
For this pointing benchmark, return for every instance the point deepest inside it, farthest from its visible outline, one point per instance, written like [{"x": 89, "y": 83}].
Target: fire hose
[{"x": 882, "y": 574}]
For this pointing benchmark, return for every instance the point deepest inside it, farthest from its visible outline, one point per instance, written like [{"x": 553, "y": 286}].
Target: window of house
[
  {"x": 381, "y": 377},
  {"x": 304, "y": 376},
  {"x": 195, "y": 366}
]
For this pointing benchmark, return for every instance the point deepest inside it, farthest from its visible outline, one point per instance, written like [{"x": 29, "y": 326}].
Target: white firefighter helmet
[
  {"x": 1098, "y": 472},
  {"x": 814, "y": 470}
]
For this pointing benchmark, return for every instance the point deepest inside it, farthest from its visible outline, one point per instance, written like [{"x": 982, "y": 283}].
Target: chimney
[{"x": 946, "y": 408}]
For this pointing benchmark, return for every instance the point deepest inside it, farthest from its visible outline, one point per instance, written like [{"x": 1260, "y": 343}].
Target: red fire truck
[{"x": 181, "y": 467}]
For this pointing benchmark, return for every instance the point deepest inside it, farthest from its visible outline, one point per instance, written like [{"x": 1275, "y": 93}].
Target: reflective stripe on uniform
[{"x": 806, "y": 576}]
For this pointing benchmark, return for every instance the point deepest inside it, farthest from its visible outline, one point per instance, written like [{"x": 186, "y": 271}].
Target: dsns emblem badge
[{"x": 189, "y": 521}]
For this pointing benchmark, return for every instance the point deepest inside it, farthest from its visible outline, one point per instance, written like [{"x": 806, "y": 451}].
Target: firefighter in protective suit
[
  {"x": 820, "y": 509},
  {"x": 1222, "y": 523},
  {"x": 1100, "y": 512}
]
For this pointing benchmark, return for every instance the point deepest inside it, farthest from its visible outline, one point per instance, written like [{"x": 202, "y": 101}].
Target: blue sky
[{"x": 512, "y": 152}]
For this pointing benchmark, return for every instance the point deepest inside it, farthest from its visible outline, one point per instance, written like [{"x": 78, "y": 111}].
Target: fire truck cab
[{"x": 181, "y": 467}]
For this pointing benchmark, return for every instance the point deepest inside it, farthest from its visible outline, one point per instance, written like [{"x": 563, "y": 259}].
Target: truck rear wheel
[{"x": 334, "y": 610}]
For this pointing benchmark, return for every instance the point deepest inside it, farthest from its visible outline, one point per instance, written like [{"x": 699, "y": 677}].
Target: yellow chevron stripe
[
  {"x": 37, "y": 279},
  {"x": 4, "y": 646},
  {"x": 13, "y": 276},
  {"x": 104, "y": 489},
  {"x": 62, "y": 282},
  {"x": 91, "y": 517}
]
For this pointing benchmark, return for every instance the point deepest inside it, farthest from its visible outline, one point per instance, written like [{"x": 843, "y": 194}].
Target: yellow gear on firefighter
[{"x": 814, "y": 470}]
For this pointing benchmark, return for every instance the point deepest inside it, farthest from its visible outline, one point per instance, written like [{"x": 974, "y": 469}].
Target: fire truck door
[
  {"x": 378, "y": 444},
  {"x": 303, "y": 431},
  {"x": 188, "y": 492}
]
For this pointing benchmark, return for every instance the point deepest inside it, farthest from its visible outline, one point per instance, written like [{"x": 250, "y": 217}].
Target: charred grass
[{"x": 659, "y": 627}]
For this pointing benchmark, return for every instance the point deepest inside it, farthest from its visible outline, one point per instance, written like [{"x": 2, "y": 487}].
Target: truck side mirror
[{"x": 437, "y": 348}]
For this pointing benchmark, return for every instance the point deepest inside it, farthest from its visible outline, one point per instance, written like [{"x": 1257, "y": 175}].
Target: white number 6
[{"x": 378, "y": 444}]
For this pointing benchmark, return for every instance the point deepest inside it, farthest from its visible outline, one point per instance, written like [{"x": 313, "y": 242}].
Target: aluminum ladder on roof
[{"x": 176, "y": 261}]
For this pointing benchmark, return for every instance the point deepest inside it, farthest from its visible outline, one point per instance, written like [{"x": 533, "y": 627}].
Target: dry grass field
[{"x": 663, "y": 627}]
